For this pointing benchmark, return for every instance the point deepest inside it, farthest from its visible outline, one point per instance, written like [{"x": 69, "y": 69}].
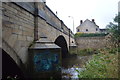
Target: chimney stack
[
  {"x": 93, "y": 20},
  {"x": 81, "y": 21}
]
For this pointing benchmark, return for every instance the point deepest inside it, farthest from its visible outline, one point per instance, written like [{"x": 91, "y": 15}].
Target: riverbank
[
  {"x": 103, "y": 65},
  {"x": 71, "y": 64}
]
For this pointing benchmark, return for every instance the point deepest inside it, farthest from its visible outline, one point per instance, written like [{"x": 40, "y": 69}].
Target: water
[
  {"x": 70, "y": 72},
  {"x": 71, "y": 64}
]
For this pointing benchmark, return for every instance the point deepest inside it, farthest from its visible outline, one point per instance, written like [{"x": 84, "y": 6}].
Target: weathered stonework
[
  {"x": 91, "y": 42},
  {"x": 18, "y": 28}
]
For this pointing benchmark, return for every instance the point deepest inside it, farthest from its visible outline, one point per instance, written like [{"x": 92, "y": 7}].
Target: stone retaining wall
[{"x": 91, "y": 42}]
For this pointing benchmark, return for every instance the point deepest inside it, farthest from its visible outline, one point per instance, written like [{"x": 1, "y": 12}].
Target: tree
[{"x": 114, "y": 29}]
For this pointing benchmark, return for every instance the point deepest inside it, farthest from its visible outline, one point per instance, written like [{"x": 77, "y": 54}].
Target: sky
[{"x": 103, "y": 11}]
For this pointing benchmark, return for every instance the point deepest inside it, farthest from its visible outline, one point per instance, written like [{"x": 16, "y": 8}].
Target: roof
[{"x": 88, "y": 21}]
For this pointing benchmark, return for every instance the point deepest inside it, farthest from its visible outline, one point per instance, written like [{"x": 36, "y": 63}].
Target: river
[{"x": 71, "y": 64}]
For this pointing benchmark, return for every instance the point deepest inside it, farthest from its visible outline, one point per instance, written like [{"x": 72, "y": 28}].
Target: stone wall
[
  {"x": 91, "y": 42},
  {"x": 18, "y": 27}
]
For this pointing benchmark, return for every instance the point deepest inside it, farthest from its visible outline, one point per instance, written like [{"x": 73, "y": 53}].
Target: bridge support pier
[{"x": 44, "y": 59}]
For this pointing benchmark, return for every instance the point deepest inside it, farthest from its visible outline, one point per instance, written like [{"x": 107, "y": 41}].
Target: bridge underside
[
  {"x": 10, "y": 68},
  {"x": 61, "y": 42}
]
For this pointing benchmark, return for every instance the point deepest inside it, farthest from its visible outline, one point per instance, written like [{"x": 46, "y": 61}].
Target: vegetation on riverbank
[
  {"x": 105, "y": 64},
  {"x": 102, "y": 65},
  {"x": 79, "y": 34},
  {"x": 83, "y": 52},
  {"x": 114, "y": 29}
]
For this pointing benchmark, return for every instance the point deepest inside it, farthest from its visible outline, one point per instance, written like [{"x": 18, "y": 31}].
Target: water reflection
[{"x": 71, "y": 64}]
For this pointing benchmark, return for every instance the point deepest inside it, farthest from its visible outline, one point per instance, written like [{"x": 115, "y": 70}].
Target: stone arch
[
  {"x": 10, "y": 68},
  {"x": 10, "y": 51},
  {"x": 61, "y": 42}
]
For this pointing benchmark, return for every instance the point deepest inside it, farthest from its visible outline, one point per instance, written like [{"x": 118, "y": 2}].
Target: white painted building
[{"x": 88, "y": 27}]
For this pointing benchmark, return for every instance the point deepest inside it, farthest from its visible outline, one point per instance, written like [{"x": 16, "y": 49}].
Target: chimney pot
[
  {"x": 93, "y": 20},
  {"x": 81, "y": 21}
]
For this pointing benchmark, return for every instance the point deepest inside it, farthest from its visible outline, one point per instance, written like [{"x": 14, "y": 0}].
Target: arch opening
[
  {"x": 61, "y": 42},
  {"x": 10, "y": 68}
]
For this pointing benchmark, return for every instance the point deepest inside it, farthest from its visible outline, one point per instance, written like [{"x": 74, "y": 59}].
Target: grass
[
  {"x": 102, "y": 65},
  {"x": 83, "y": 52}
]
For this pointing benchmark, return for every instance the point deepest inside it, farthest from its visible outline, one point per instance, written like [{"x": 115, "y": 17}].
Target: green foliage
[
  {"x": 114, "y": 50},
  {"x": 73, "y": 51},
  {"x": 117, "y": 18},
  {"x": 114, "y": 29},
  {"x": 102, "y": 65},
  {"x": 89, "y": 35},
  {"x": 84, "y": 52}
]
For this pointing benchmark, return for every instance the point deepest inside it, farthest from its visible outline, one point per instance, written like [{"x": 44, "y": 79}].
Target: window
[
  {"x": 78, "y": 30},
  {"x": 86, "y": 29},
  {"x": 96, "y": 29}
]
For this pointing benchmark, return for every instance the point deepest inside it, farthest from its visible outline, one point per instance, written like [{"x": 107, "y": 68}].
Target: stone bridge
[{"x": 26, "y": 22}]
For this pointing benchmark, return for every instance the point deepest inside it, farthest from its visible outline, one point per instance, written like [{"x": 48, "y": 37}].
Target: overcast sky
[{"x": 103, "y": 11}]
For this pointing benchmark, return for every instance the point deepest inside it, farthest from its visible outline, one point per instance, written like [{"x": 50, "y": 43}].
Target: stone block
[
  {"x": 12, "y": 39},
  {"x": 31, "y": 16},
  {"x": 17, "y": 31},
  {"x": 24, "y": 27},
  {"x": 30, "y": 38},
  {"x": 15, "y": 7},
  {"x": 18, "y": 44},
  {"x": 25, "y": 43},
  {"x": 22, "y": 14},
  {"x": 23, "y": 54},
  {"x": 21, "y": 37},
  {"x": 13, "y": 10},
  {"x": 23, "y": 11},
  {"x": 16, "y": 26},
  {"x": 26, "y": 33},
  {"x": 6, "y": 32},
  {"x": 16, "y": 17},
  {"x": 27, "y": 27},
  {"x": 9, "y": 9},
  {"x": 6, "y": 18}
]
